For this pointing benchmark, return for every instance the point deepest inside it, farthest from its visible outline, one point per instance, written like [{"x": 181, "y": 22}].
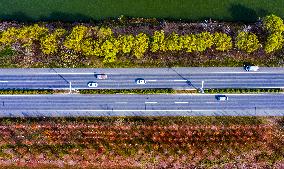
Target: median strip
[
  {"x": 245, "y": 90},
  {"x": 26, "y": 92},
  {"x": 126, "y": 91},
  {"x": 140, "y": 91}
]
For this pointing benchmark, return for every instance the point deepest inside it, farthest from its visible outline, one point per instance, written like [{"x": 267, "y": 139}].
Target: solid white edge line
[
  {"x": 142, "y": 110},
  {"x": 3, "y": 81},
  {"x": 121, "y": 102},
  {"x": 69, "y": 73},
  {"x": 92, "y": 95}
]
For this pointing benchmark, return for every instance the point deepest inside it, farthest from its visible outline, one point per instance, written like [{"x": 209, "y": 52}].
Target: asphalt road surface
[
  {"x": 177, "y": 78},
  {"x": 140, "y": 105}
]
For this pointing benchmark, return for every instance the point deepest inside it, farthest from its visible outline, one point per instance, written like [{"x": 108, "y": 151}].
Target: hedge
[
  {"x": 126, "y": 91},
  {"x": 272, "y": 90},
  {"x": 26, "y": 91}
]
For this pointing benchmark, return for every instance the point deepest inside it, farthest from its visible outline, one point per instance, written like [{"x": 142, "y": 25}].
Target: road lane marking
[
  {"x": 181, "y": 102},
  {"x": 250, "y": 72},
  {"x": 179, "y": 80},
  {"x": 151, "y": 80},
  {"x": 71, "y": 73},
  {"x": 3, "y": 81},
  {"x": 143, "y": 110},
  {"x": 121, "y": 102},
  {"x": 151, "y": 102}
]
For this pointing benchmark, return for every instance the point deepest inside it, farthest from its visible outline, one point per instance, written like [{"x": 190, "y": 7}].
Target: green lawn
[{"x": 84, "y": 10}]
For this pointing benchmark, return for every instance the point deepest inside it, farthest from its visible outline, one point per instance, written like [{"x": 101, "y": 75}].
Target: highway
[
  {"x": 140, "y": 105},
  {"x": 177, "y": 78}
]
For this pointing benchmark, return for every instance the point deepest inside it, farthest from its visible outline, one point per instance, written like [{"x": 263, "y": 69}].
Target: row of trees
[
  {"x": 100, "y": 42},
  {"x": 275, "y": 27}
]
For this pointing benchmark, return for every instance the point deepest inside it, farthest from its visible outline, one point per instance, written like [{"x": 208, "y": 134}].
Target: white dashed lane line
[
  {"x": 121, "y": 102},
  {"x": 151, "y": 80},
  {"x": 181, "y": 102},
  {"x": 180, "y": 80},
  {"x": 151, "y": 102}
]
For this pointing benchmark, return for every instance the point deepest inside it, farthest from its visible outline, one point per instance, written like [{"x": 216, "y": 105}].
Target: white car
[
  {"x": 101, "y": 76},
  {"x": 251, "y": 68},
  {"x": 222, "y": 98},
  {"x": 140, "y": 81},
  {"x": 93, "y": 84}
]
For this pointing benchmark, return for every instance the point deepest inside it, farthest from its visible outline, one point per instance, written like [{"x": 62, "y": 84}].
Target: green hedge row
[
  {"x": 26, "y": 91},
  {"x": 276, "y": 90},
  {"x": 126, "y": 91}
]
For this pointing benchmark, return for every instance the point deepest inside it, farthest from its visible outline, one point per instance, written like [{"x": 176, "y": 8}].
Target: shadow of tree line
[{"x": 238, "y": 13}]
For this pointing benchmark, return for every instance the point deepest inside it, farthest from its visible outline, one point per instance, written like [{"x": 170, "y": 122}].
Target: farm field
[
  {"x": 86, "y": 10},
  {"x": 143, "y": 142}
]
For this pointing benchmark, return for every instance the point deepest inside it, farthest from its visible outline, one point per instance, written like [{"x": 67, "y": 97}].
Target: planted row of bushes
[
  {"x": 26, "y": 91},
  {"x": 126, "y": 91},
  {"x": 97, "y": 41},
  {"x": 242, "y": 90},
  {"x": 140, "y": 91}
]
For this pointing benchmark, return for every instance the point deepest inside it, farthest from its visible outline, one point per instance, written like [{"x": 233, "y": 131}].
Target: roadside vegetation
[
  {"x": 143, "y": 142},
  {"x": 28, "y": 91},
  {"x": 242, "y": 90},
  {"x": 142, "y": 42},
  {"x": 137, "y": 91},
  {"x": 127, "y": 91}
]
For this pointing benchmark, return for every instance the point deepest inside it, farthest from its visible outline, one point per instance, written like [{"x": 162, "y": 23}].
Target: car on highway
[
  {"x": 251, "y": 68},
  {"x": 140, "y": 81},
  {"x": 101, "y": 76},
  {"x": 222, "y": 98},
  {"x": 92, "y": 84}
]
